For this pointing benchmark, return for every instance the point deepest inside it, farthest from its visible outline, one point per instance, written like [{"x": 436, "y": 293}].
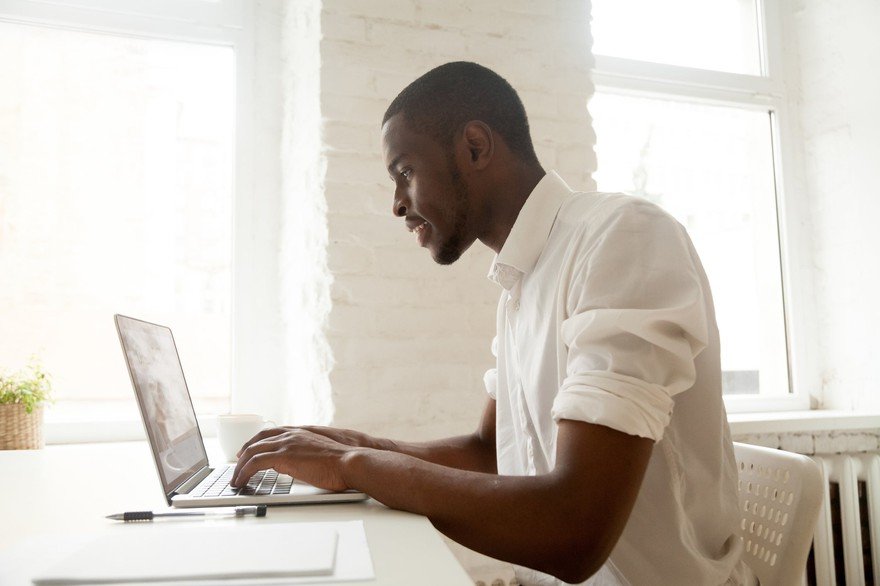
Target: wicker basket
[{"x": 20, "y": 430}]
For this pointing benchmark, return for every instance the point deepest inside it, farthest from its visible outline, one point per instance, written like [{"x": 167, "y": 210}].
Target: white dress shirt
[{"x": 606, "y": 317}]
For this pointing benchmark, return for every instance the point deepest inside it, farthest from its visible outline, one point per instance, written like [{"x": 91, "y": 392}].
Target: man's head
[
  {"x": 440, "y": 102},
  {"x": 447, "y": 139}
]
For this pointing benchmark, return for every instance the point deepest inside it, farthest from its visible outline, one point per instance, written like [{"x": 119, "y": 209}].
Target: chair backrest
[{"x": 779, "y": 496}]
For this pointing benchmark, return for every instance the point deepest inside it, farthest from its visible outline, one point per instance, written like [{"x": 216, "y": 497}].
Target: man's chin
[
  {"x": 448, "y": 254},
  {"x": 446, "y": 259}
]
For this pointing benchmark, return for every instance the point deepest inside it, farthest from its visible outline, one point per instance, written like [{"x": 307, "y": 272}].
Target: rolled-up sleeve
[{"x": 636, "y": 321}]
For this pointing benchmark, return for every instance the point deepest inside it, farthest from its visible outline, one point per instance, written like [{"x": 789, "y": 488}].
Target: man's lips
[
  {"x": 420, "y": 230},
  {"x": 415, "y": 225}
]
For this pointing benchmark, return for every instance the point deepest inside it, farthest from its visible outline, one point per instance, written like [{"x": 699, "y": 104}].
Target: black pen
[{"x": 258, "y": 511}]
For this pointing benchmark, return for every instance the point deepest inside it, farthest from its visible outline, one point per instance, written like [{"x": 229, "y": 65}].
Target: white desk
[{"x": 405, "y": 548}]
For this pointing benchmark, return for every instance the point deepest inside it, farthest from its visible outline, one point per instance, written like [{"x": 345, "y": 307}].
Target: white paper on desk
[
  {"x": 353, "y": 560},
  {"x": 175, "y": 553}
]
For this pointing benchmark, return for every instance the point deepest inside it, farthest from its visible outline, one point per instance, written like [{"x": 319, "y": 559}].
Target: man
[{"x": 603, "y": 449}]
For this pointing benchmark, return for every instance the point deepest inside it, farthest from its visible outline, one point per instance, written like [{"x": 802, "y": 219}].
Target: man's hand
[
  {"x": 303, "y": 454},
  {"x": 351, "y": 437},
  {"x": 347, "y": 437},
  {"x": 316, "y": 454},
  {"x": 475, "y": 451}
]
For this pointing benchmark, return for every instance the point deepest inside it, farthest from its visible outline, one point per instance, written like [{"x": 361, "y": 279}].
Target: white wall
[
  {"x": 411, "y": 339},
  {"x": 303, "y": 267},
  {"x": 838, "y": 58}
]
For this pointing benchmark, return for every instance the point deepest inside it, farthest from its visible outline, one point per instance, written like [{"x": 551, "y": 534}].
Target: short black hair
[{"x": 442, "y": 101}]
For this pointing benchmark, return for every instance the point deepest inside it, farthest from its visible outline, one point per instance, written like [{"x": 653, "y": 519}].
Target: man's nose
[{"x": 398, "y": 206}]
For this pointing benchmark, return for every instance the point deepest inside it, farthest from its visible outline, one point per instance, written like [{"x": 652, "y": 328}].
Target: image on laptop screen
[{"x": 163, "y": 398}]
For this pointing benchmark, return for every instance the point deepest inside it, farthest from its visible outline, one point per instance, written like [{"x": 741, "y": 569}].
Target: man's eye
[{"x": 407, "y": 173}]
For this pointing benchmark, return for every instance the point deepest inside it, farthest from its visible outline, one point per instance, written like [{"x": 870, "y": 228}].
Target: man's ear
[{"x": 480, "y": 144}]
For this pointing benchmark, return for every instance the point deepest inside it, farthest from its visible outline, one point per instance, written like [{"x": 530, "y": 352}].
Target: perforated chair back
[{"x": 779, "y": 496}]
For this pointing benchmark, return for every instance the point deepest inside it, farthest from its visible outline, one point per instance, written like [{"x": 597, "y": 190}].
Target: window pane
[
  {"x": 115, "y": 197},
  {"x": 712, "y": 168},
  {"x": 721, "y": 35}
]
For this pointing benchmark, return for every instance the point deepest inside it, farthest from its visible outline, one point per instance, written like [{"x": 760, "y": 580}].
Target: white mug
[{"x": 233, "y": 430}]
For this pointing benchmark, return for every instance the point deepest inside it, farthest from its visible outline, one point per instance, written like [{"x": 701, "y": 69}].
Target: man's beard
[{"x": 452, "y": 249}]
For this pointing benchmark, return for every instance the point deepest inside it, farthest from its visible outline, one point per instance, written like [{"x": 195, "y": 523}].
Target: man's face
[{"x": 429, "y": 191}]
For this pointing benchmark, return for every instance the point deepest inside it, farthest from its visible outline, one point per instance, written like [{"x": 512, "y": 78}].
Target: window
[
  {"x": 118, "y": 169},
  {"x": 689, "y": 112}
]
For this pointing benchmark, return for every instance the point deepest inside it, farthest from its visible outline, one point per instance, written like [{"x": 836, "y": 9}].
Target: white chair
[{"x": 779, "y": 496}]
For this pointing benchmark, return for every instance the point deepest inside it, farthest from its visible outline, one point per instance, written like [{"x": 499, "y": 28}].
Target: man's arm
[
  {"x": 564, "y": 523},
  {"x": 474, "y": 452}
]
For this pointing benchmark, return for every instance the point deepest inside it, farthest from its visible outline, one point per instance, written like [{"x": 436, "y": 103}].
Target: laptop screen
[{"x": 163, "y": 398}]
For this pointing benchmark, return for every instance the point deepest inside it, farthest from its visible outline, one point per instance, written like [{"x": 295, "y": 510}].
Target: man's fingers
[
  {"x": 296, "y": 452},
  {"x": 265, "y": 445},
  {"x": 261, "y": 461},
  {"x": 260, "y": 436}
]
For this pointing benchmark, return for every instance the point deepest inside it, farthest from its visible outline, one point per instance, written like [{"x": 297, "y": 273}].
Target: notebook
[{"x": 176, "y": 441}]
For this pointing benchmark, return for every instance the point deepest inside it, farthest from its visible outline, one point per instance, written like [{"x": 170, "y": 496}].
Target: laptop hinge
[{"x": 193, "y": 482}]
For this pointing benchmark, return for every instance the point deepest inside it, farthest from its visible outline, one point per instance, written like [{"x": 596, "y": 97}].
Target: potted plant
[{"x": 22, "y": 395}]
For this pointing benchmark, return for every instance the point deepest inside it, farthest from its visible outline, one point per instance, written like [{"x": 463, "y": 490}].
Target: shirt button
[{"x": 516, "y": 305}]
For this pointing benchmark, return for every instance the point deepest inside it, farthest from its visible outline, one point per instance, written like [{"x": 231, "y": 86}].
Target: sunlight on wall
[{"x": 305, "y": 276}]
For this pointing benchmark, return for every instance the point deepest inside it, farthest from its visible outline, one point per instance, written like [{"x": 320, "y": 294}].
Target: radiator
[{"x": 847, "y": 538}]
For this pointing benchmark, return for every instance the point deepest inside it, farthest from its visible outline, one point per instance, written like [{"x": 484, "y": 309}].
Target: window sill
[{"x": 801, "y": 421}]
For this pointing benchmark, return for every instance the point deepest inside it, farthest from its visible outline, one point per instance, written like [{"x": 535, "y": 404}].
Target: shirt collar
[{"x": 530, "y": 231}]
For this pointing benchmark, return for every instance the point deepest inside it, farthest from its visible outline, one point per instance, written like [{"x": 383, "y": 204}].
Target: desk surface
[{"x": 405, "y": 548}]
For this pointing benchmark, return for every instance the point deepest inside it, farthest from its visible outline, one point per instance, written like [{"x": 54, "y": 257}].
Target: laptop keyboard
[{"x": 265, "y": 482}]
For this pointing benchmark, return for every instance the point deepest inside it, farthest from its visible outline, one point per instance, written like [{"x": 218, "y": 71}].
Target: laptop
[{"x": 174, "y": 435}]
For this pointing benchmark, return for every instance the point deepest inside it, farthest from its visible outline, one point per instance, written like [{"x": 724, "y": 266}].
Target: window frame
[
  {"x": 227, "y": 23},
  {"x": 768, "y": 92}
]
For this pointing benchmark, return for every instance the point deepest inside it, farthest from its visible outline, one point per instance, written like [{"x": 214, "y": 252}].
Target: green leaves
[{"x": 30, "y": 387}]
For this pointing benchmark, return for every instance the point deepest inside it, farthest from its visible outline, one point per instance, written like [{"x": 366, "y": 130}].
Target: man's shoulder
[{"x": 589, "y": 212}]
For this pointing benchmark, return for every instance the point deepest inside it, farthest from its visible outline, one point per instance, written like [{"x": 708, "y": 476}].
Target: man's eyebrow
[{"x": 394, "y": 162}]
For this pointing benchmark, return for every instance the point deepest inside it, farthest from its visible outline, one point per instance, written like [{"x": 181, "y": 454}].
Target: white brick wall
[
  {"x": 817, "y": 442},
  {"x": 411, "y": 339}
]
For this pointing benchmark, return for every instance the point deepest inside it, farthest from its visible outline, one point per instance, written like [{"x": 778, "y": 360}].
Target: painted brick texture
[{"x": 817, "y": 442}]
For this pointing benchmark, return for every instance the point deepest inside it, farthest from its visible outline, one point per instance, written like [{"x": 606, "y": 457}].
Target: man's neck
[{"x": 510, "y": 196}]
